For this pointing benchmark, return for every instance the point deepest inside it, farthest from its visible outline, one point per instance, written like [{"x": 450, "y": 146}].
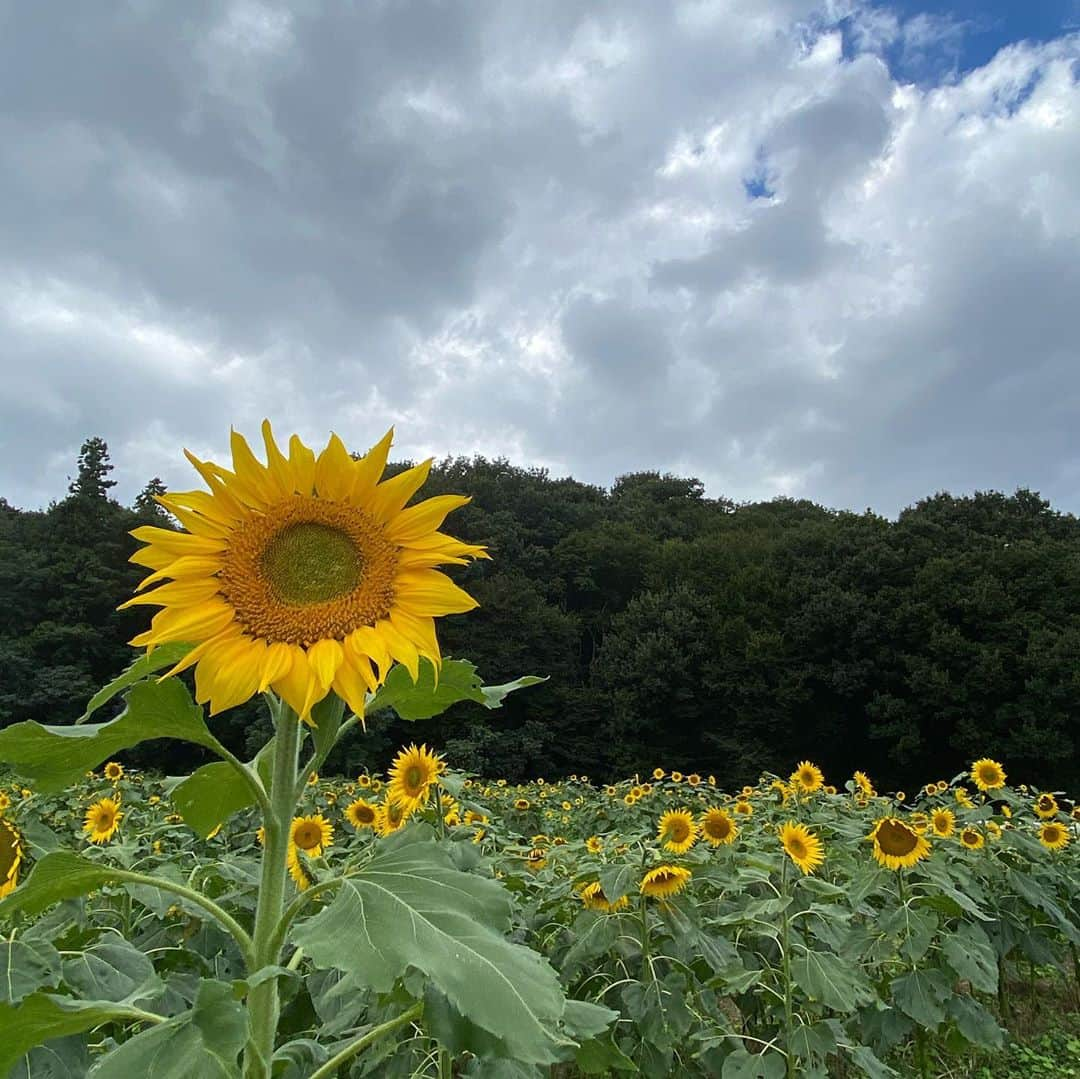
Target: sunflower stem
[
  {"x": 264, "y": 1004},
  {"x": 785, "y": 959},
  {"x": 330, "y": 1068}
]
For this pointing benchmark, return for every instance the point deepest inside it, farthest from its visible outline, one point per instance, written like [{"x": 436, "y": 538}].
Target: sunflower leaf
[
  {"x": 57, "y": 876},
  {"x": 409, "y": 907},
  {"x": 54, "y": 757},
  {"x": 833, "y": 981},
  {"x": 144, "y": 665},
  {"x": 25, "y": 967},
  {"x": 209, "y": 796}
]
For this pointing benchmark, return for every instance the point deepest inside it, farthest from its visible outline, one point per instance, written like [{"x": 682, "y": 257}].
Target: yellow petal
[
  {"x": 370, "y": 467},
  {"x": 389, "y": 497},
  {"x": 153, "y": 557},
  {"x": 198, "y": 525},
  {"x": 334, "y": 476},
  {"x": 180, "y": 543},
  {"x": 188, "y": 566},
  {"x": 300, "y": 687},
  {"x": 200, "y": 650},
  {"x": 187, "y": 623},
  {"x": 324, "y": 658},
  {"x": 277, "y": 464},
  {"x": 229, "y": 674},
  {"x": 277, "y": 662},
  {"x": 250, "y": 471},
  {"x": 221, "y": 511},
  {"x": 366, "y": 641},
  {"x": 176, "y": 594},
  {"x": 423, "y": 518},
  {"x": 429, "y": 592},
  {"x": 351, "y": 686},
  {"x": 218, "y": 487},
  {"x": 401, "y": 648},
  {"x": 302, "y": 461},
  {"x": 421, "y": 632}
]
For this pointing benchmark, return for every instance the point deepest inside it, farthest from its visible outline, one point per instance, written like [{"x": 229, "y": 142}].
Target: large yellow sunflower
[
  {"x": 304, "y": 574},
  {"x": 664, "y": 880},
  {"x": 896, "y": 845},
  {"x": 411, "y": 775},
  {"x": 943, "y": 822},
  {"x": 987, "y": 775},
  {"x": 102, "y": 820},
  {"x": 362, "y": 814},
  {"x": 808, "y": 777},
  {"x": 11, "y": 852},
  {"x": 677, "y": 830},
  {"x": 802, "y": 846}
]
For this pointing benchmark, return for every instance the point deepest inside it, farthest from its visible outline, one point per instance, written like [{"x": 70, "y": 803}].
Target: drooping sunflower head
[
  {"x": 677, "y": 830},
  {"x": 11, "y": 853},
  {"x": 802, "y": 846},
  {"x": 411, "y": 775},
  {"x": 896, "y": 845},
  {"x": 102, "y": 819},
  {"x": 717, "y": 827},
  {"x": 305, "y": 574},
  {"x": 1053, "y": 835},
  {"x": 664, "y": 881},
  {"x": 361, "y": 814},
  {"x": 593, "y": 897},
  {"x": 943, "y": 822},
  {"x": 808, "y": 777},
  {"x": 972, "y": 838},
  {"x": 296, "y": 870},
  {"x": 1046, "y": 806},
  {"x": 863, "y": 784},
  {"x": 114, "y": 771},
  {"x": 311, "y": 834},
  {"x": 987, "y": 775}
]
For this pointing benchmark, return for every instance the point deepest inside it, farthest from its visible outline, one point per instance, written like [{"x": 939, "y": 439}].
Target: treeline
[{"x": 677, "y": 630}]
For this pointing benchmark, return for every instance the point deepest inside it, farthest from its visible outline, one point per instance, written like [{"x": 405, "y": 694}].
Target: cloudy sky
[{"x": 822, "y": 249}]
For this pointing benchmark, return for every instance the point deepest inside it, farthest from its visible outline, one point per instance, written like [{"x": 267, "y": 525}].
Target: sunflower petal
[
  {"x": 176, "y": 594},
  {"x": 324, "y": 658},
  {"x": 423, "y": 518},
  {"x": 370, "y": 467},
  {"x": 187, "y": 566},
  {"x": 389, "y": 497},
  {"x": 302, "y": 461},
  {"x": 429, "y": 592},
  {"x": 401, "y": 648},
  {"x": 277, "y": 464},
  {"x": 334, "y": 475}
]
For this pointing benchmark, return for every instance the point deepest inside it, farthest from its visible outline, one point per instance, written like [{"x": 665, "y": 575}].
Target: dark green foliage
[{"x": 676, "y": 629}]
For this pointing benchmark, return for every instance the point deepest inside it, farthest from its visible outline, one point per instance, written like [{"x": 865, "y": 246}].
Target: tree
[{"x": 93, "y": 480}]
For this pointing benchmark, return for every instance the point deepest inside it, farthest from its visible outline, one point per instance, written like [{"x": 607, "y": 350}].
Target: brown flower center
[{"x": 896, "y": 838}]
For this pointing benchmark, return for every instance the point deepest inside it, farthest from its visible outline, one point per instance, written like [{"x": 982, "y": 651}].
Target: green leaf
[
  {"x": 209, "y": 796},
  {"x": 144, "y": 665},
  {"x": 601, "y": 1056},
  {"x": 112, "y": 970},
  {"x": 54, "y": 757},
  {"x": 867, "y": 1061},
  {"x": 407, "y": 907},
  {"x": 971, "y": 955},
  {"x": 60, "y": 1058},
  {"x": 744, "y": 1065},
  {"x": 825, "y": 977},
  {"x": 327, "y": 714},
  {"x": 975, "y": 1022},
  {"x": 922, "y": 995},
  {"x": 25, "y": 967},
  {"x": 200, "y": 1044},
  {"x": 458, "y": 681},
  {"x": 57, "y": 876},
  {"x": 42, "y": 1017}
]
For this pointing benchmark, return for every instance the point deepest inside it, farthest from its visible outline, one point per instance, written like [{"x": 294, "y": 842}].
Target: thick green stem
[
  {"x": 263, "y": 1001},
  {"x": 330, "y": 1068},
  {"x": 785, "y": 960}
]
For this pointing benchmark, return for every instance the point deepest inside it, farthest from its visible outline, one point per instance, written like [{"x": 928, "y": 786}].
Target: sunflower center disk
[
  {"x": 309, "y": 563},
  {"x": 895, "y": 839}
]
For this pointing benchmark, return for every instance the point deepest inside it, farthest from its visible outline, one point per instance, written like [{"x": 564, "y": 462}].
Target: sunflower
[
  {"x": 303, "y": 575},
  {"x": 363, "y": 781},
  {"x": 962, "y": 798},
  {"x": 972, "y": 838},
  {"x": 943, "y": 822},
  {"x": 411, "y": 776},
  {"x": 1046, "y": 806},
  {"x": 114, "y": 771},
  {"x": 664, "y": 880},
  {"x": 807, "y": 777},
  {"x": 594, "y": 844},
  {"x": 312, "y": 835},
  {"x": 743, "y": 808},
  {"x": 296, "y": 870},
  {"x": 677, "y": 830},
  {"x": 1075, "y": 814},
  {"x": 676, "y": 777},
  {"x": 392, "y": 816},
  {"x": 993, "y": 829},
  {"x": 717, "y": 827},
  {"x": 521, "y": 804},
  {"x": 536, "y": 860},
  {"x": 592, "y": 895},
  {"x": 896, "y": 845},
  {"x": 11, "y": 852},
  {"x": 987, "y": 775},
  {"x": 102, "y": 820},
  {"x": 5, "y": 802},
  {"x": 361, "y": 814},
  {"x": 862, "y": 782},
  {"x": 802, "y": 846},
  {"x": 658, "y": 773},
  {"x": 694, "y": 779},
  {"x": 1053, "y": 835}
]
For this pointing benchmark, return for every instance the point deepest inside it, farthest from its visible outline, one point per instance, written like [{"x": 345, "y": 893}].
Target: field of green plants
[{"x": 779, "y": 930}]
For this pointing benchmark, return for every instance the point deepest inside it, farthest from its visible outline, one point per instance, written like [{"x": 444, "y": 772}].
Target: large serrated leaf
[
  {"x": 144, "y": 665},
  {"x": 209, "y": 796},
  {"x": 825, "y": 977},
  {"x": 922, "y": 995},
  {"x": 971, "y": 955},
  {"x": 112, "y": 970},
  {"x": 458, "y": 681},
  {"x": 57, "y": 876},
  {"x": 409, "y": 907},
  {"x": 25, "y": 967},
  {"x": 54, "y": 757}
]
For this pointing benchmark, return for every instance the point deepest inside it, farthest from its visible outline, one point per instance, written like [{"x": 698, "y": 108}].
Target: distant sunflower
[
  {"x": 312, "y": 834},
  {"x": 592, "y": 895},
  {"x": 694, "y": 779},
  {"x": 114, "y": 771},
  {"x": 1075, "y": 814},
  {"x": 5, "y": 802},
  {"x": 664, "y": 880},
  {"x": 943, "y": 822},
  {"x": 305, "y": 574},
  {"x": 102, "y": 820},
  {"x": 361, "y": 814},
  {"x": 677, "y": 830},
  {"x": 537, "y": 859},
  {"x": 962, "y": 798},
  {"x": 392, "y": 816},
  {"x": 802, "y": 846},
  {"x": 11, "y": 853},
  {"x": 717, "y": 827},
  {"x": 594, "y": 844},
  {"x": 863, "y": 784},
  {"x": 676, "y": 777},
  {"x": 972, "y": 838},
  {"x": 411, "y": 775},
  {"x": 521, "y": 804},
  {"x": 896, "y": 845},
  {"x": 987, "y": 775},
  {"x": 658, "y": 773},
  {"x": 1046, "y": 806},
  {"x": 1053, "y": 836},
  {"x": 743, "y": 808},
  {"x": 808, "y": 777}
]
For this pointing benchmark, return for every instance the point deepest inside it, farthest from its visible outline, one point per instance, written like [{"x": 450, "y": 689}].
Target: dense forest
[{"x": 677, "y": 630}]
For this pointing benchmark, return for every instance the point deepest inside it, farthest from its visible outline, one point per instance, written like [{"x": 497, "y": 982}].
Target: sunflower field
[{"x": 256, "y": 919}]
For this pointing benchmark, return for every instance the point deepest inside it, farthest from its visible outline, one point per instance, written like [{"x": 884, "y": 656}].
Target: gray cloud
[{"x": 524, "y": 229}]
